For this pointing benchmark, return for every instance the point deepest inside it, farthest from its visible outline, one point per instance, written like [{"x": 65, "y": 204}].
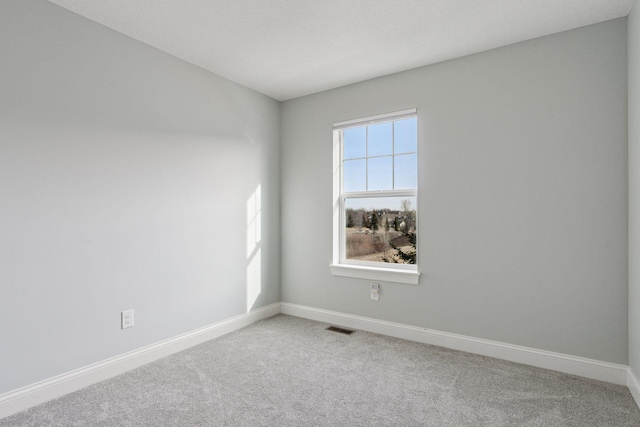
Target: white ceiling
[{"x": 290, "y": 48}]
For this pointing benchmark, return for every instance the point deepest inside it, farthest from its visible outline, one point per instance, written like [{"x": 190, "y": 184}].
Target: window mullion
[
  {"x": 366, "y": 162},
  {"x": 393, "y": 155}
]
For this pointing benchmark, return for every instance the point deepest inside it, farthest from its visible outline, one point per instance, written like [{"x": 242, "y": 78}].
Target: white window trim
[
  {"x": 407, "y": 274},
  {"x": 375, "y": 273}
]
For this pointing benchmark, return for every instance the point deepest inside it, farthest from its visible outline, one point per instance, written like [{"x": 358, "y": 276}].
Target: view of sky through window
[{"x": 380, "y": 157}]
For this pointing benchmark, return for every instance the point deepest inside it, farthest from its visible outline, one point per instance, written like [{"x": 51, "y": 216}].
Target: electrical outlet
[
  {"x": 127, "y": 319},
  {"x": 375, "y": 291}
]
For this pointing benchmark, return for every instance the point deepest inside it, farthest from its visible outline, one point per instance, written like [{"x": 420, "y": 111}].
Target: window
[{"x": 375, "y": 197}]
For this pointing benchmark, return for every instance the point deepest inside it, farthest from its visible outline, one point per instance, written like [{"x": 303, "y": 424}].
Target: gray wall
[
  {"x": 634, "y": 188},
  {"x": 124, "y": 180},
  {"x": 523, "y": 195}
]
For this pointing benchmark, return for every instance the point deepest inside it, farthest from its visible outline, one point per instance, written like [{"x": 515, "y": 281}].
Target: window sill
[{"x": 375, "y": 273}]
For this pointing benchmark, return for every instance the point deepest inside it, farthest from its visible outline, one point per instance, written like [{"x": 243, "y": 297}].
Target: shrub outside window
[{"x": 375, "y": 195}]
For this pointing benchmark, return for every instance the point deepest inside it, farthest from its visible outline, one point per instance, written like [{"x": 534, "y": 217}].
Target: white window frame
[{"x": 399, "y": 273}]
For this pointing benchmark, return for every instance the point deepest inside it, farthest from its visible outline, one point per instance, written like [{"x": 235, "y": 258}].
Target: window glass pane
[
  {"x": 380, "y": 173},
  {"x": 355, "y": 175},
  {"x": 380, "y": 229},
  {"x": 405, "y": 172},
  {"x": 355, "y": 142},
  {"x": 380, "y": 140},
  {"x": 406, "y": 136}
]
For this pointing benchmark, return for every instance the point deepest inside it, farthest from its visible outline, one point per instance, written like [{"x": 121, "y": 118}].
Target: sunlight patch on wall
[
  {"x": 253, "y": 221},
  {"x": 254, "y": 270}
]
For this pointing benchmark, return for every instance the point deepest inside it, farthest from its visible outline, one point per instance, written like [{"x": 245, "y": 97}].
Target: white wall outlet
[
  {"x": 375, "y": 291},
  {"x": 127, "y": 319}
]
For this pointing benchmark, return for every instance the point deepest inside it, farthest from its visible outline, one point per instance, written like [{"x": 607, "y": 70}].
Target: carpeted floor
[{"x": 287, "y": 371}]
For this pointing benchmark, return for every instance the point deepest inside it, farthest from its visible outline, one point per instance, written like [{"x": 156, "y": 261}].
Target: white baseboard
[
  {"x": 634, "y": 385},
  {"x": 35, "y": 394},
  {"x": 594, "y": 369}
]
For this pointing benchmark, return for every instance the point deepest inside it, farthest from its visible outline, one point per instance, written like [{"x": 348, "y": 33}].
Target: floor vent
[{"x": 341, "y": 330}]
